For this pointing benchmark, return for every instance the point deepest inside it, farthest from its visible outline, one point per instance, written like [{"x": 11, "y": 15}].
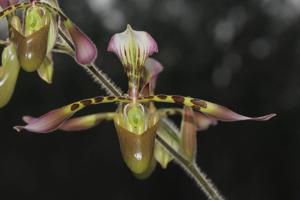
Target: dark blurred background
[{"x": 241, "y": 54}]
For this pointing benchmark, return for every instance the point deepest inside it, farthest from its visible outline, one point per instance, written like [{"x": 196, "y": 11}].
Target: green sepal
[
  {"x": 162, "y": 156},
  {"x": 45, "y": 71}
]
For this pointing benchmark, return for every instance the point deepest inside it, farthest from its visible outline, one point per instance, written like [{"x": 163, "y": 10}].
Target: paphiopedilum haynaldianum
[
  {"x": 33, "y": 38},
  {"x": 136, "y": 119}
]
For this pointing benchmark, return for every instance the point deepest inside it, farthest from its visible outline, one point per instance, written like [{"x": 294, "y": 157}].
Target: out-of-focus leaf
[{"x": 8, "y": 74}]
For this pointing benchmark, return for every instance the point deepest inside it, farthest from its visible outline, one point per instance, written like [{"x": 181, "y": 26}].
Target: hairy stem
[
  {"x": 190, "y": 167},
  {"x": 99, "y": 77}
]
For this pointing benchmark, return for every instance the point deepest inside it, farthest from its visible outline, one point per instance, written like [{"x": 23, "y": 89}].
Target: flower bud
[{"x": 85, "y": 49}]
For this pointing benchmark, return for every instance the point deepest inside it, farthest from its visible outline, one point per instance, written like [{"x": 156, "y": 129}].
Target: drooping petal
[
  {"x": 86, "y": 51},
  {"x": 188, "y": 132},
  {"x": 52, "y": 120},
  {"x": 48, "y": 122},
  {"x": 213, "y": 110},
  {"x": 224, "y": 114},
  {"x": 132, "y": 47},
  {"x": 202, "y": 121},
  {"x": 8, "y": 74},
  {"x": 85, "y": 122},
  {"x": 153, "y": 68},
  {"x": 45, "y": 71},
  {"x": 32, "y": 49},
  {"x": 79, "y": 123},
  {"x": 137, "y": 150},
  {"x": 28, "y": 119}
]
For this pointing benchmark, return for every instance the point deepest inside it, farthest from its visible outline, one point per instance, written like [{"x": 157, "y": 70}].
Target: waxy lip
[
  {"x": 31, "y": 49},
  {"x": 137, "y": 150}
]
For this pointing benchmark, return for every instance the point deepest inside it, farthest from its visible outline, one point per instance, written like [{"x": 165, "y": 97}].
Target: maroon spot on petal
[
  {"x": 74, "y": 106},
  {"x": 121, "y": 98},
  {"x": 149, "y": 97},
  {"x": 162, "y": 96},
  {"x": 178, "y": 99},
  {"x": 198, "y": 108},
  {"x": 199, "y": 102},
  {"x": 110, "y": 98},
  {"x": 9, "y": 9},
  {"x": 86, "y": 102},
  {"x": 98, "y": 99}
]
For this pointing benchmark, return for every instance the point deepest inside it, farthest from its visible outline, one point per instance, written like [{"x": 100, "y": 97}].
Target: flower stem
[{"x": 190, "y": 167}]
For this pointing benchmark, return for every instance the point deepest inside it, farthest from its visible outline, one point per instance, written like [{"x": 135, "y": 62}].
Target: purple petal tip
[
  {"x": 18, "y": 128},
  {"x": 86, "y": 50},
  {"x": 265, "y": 117}
]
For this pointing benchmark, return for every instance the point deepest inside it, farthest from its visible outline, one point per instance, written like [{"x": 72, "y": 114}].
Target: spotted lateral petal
[
  {"x": 79, "y": 123},
  {"x": 54, "y": 119},
  {"x": 86, "y": 122},
  {"x": 213, "y": 110}
]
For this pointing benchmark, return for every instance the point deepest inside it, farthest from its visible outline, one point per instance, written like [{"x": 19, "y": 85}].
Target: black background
[{"x": 241, "y": 54}]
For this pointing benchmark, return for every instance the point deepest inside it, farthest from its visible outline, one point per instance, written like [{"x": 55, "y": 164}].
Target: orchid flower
[
  {"x": 32, "y": 40},
  {"x": 136, "y": 119}
]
